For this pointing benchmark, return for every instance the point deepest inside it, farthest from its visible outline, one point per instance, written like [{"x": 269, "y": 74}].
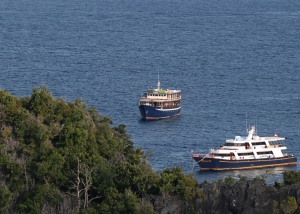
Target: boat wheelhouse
[
  {"x": 248, "y": 152},
  {"x": 160, "y": 103}
]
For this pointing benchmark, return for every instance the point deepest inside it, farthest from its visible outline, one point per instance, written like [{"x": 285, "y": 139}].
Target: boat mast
[
  {"x": 256, "y": 130},
  {"x": 158, "y": 82},
  {"x": 246, "y": 124}
]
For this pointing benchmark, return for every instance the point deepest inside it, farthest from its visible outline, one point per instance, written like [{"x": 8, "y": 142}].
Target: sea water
[{"x": 236, "y": 62}]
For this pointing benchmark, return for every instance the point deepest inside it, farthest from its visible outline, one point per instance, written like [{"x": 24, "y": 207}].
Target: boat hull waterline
[
  {"x": 154, "y": 113},
  {"x": 250, "y": 152},
  {"x": 219, "y": 164}
]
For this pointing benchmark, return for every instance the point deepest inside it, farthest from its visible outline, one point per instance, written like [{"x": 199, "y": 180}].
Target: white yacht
[{"x": 248, "y": 152}]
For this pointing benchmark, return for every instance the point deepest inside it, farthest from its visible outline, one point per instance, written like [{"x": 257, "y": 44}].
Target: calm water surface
[{"x": 230, "y": 59}]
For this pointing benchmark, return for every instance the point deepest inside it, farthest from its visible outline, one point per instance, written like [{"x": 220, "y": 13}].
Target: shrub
[{"x": 289, "y": 205}]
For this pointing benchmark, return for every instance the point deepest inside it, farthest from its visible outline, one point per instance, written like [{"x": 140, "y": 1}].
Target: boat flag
[{"x": 276, "y": 135}]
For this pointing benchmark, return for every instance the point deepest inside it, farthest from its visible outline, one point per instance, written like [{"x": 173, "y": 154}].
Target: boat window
[
  {"x": 245, "y": 154},
  {"x": 234, "y": 144},
  {"x": 279, "y": 143},
  {"x": 221, "y": 155},
  {"x": 265, "y": 153},
  {"x": 259, "y": 143}
]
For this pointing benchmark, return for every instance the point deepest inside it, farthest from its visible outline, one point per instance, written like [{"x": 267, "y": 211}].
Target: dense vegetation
[{"x": 50, "y": 149}]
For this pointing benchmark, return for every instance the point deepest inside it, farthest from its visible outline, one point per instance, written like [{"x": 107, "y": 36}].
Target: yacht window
[
  {"x": 259, "y": 143},
  {"x": 220, "y": 155},
  {"x": 234, "y": 144},
  {"x": 265, "y": 153},
  {"x": 245, "y": 154}
]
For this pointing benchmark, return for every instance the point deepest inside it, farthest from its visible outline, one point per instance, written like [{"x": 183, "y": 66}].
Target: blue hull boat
[
  {"x": 159, "y": 103},
  {"x": 155, "y": 113},
  {"x": 208, "y": 163}
]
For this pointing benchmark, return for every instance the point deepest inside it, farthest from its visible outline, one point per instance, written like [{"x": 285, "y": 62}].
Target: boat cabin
[{"x": 251, "y": 147}]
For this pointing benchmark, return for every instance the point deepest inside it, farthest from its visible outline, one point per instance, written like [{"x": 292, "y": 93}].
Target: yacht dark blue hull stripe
[{"x": 219, "y": 164}]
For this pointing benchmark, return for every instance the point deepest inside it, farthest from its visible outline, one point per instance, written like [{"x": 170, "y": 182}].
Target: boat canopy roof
[
  {"x": 162, "y": 91},
  {"x": 253, "y": 138}
]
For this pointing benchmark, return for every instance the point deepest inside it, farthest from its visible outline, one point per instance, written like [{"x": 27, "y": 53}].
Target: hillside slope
[{"x": 59, "y": 157}]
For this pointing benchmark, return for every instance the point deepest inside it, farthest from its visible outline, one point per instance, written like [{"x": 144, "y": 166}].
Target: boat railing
[
  {"x": 174, "y": 98},
  {"x": 288, "y": 155},
  {"x": 276, "y": 145},
  {"x": 227, "y": 148},
  {"x": 200, "y": 155}
]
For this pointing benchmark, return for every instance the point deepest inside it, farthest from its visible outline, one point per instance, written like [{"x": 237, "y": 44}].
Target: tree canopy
[{"x": 50, "y": 148}]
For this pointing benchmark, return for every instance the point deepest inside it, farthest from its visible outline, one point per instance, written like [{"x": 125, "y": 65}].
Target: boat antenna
[
  {"x": 256, "y": 125},
  {"x": 158, "y": 82},
  {"x": 246, "y": 124}
]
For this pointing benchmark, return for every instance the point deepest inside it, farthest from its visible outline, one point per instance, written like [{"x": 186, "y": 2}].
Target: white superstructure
[{"x": 250, "y": 147}]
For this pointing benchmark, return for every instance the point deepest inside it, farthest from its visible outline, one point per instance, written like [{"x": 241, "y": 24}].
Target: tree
[
  {"x": 291, "y": 177},
  {"x": 82, "y": 183},
  {"x": 173, "y": 181},
  {"x": 289, "y": 205},
  {"x": 5, "y": 197},
  {"x": 275, "y": 207},
  {"x": 49, "y": 148}
]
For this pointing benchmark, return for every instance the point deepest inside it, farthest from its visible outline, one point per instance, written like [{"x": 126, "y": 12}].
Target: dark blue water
[{"x": 230, "y": 59}]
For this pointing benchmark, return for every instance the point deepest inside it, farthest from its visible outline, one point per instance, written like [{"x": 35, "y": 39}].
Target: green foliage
[
  {"x": 291, "y": 177},
  {"x": 220, "y": 181},
  {"x": 115, "y": 202},
  {"x": 127, "y": 175},
  {"x": 173, "y": 181},
  {"x": 50, "y": 148},
  {"x": 144, "y": 208},
  {"x": 242, "y": 178},
  {"x": 229, "y": 180},
  {"x": 257, "y": 178},
  {"x": 191, "y": 210},
  {"x": 33, "y": 201},
  {"x": 275, "y": 207},
  {"x": 14, "y": 174},
  {"x": 168, "y": 183},
  {"x": 289, "y": 205},
  {"x": 278, "y": 185},
  {"x": 5, "y": 197},
  {"x": 50, "y": 168},
  {"x": 126, "y": 202},
  {"x": 188, "y": 188}
]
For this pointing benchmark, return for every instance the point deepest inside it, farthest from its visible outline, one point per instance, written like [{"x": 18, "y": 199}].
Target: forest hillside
[{"x": 65, "y": 157}]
